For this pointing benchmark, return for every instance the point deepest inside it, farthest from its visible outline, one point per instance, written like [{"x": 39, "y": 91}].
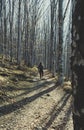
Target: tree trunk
[
  {"x": 1, "y": 28},
  {"x": 19, "y": 34},
  {"x": 60, "y": 55},
  {"x": 11, "y": 10},
  {"x": 77, "y": 63},
  {"x": 52, "y": 34},
  {"x": 5, "y": 31}
]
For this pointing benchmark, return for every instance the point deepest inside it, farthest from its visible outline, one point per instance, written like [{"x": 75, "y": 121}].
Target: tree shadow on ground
[
  {"x": 56, "y": 111},
  {"x": 46, "y": 72},
  {"x": 51, "y": 112},
  {"x": 28, "y": 90},
  {"x": 66, "y": 118},
  {"x": 20, "y": 104}
]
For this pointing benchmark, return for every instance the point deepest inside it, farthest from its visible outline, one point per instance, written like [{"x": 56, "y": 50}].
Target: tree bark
[
  {"x": 19, "y": 34},
  {"x": 77, "y": 64},
  {"x": 60, "y": 53}
]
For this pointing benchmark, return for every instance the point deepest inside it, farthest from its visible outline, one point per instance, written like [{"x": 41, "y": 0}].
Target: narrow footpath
[{"x": 43, "y": 106}]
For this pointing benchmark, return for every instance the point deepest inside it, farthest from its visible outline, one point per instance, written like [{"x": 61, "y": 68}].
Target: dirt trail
[{"x": 44, "y": 106}]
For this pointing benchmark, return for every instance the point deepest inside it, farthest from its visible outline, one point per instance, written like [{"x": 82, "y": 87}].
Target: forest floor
[{"x": 30, "y": 103}]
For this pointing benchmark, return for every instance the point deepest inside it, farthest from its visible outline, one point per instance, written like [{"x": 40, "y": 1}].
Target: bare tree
[
  {"x": 19, "y": 33},
  {"x": 1, "y": 27},
  {"x": 11, "y": 20},
  {"x": 60, "y": 53}
]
